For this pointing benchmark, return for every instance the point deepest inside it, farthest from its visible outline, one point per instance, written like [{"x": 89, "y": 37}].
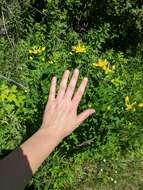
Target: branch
[
  {"x": 13, "y": 81},
  {"x": 86, "y": 142},
  {"x": 10, "y": 41},
  {"x": 37, "y": 10}
]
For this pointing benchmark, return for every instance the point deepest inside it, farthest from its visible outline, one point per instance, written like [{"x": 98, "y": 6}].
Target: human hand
[
  {"x": 60, "y": 116},
  {"x": 59, "y": 120}
]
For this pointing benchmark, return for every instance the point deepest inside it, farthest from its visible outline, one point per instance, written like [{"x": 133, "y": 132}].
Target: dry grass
[{"x": 126, "y": 175}]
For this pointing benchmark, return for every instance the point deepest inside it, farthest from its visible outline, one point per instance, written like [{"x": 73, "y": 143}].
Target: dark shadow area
[
  {"x": 31, "y": 187},
  {"x": 14, "y": 171}
]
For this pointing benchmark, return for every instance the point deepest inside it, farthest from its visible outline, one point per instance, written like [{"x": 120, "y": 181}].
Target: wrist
[
  {"x": 38, "y": 147},
  {"x": 49, "y": 135}
]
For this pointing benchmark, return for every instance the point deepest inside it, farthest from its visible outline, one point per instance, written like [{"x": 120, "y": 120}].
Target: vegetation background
[{"x": 104, "y": 39}]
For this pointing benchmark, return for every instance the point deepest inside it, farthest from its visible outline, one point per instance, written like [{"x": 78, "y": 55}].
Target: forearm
[
  {"x": 59, "y": 120},
  {"x": 38, "y": 147},
  {"x": 17, "y": 168}
]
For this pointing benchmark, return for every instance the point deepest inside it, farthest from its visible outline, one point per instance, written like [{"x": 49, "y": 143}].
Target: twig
[
  {"x": 86, "y": 142},
  {"x": 37, "y": 10},
  {"x": 13, "y": 81},
  {"x": 10, "y": 41}
]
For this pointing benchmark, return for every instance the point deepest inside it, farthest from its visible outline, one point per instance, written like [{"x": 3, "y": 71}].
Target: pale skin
[{"x": 60, "y": 119}]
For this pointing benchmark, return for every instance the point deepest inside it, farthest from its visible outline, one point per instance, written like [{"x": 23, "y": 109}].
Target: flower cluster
[
  {"x": 51, "y": 62},
  {"x": 116, "y": 82},
  {"x": 104, "y": 64},
  {"x": 132, "y": 107},
  {"x": 36, "y": 51},
  {"x": 79, "y": 48},
  {"x": 140, "y": 105}
]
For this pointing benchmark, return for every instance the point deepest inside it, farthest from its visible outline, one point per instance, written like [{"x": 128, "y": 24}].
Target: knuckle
[
  {"x": 80, "y": 92},
  {"x": 71, "y": 109},
  {"x": 62, "y": 87},
  {"x": 74, "y": 77},
  {"x": 60, "y": 104},
  {"x": 51, "y": 106},
  {"x": 71, "y": 86},
  {"x": 66, "y": 101},
  {"x": 52, "y": 92}
]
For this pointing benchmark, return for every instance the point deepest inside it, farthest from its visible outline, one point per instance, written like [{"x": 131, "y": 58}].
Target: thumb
[{"x": 85, "y": 114}]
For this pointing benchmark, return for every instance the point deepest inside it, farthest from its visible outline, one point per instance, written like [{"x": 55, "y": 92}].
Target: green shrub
[{"x": 98, "y": 39}]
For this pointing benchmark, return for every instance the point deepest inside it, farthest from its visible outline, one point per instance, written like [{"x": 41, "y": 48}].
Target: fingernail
[
  {"x": 76, "y": 70},
  {"x": 54, "y": 78}
]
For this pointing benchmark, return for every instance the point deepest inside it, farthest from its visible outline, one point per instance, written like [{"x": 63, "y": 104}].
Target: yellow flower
[
  {"x": 102, "y": 63},
  {"x": 140, "y": 105},
  {"x": 50, "y": 62},
  {"x": 80, "y": 48},
  {"x": 43, "y": 59},
  {"x": 109, "y": 108},
  {"x": 116, "y": 82},
  {"x": 89, "y": 105},
  {"x": 31, "y": 58},
  {"x": 131, "y": 107},
  {"x": 107, "y": 70},
  {"x": 126, "y": 100},
  {"x": 30, "y": 51},
  {"x": 113, "y": 67},
  {"x": 43, "y": 48},
  {"x": 35, "y": 50}
]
